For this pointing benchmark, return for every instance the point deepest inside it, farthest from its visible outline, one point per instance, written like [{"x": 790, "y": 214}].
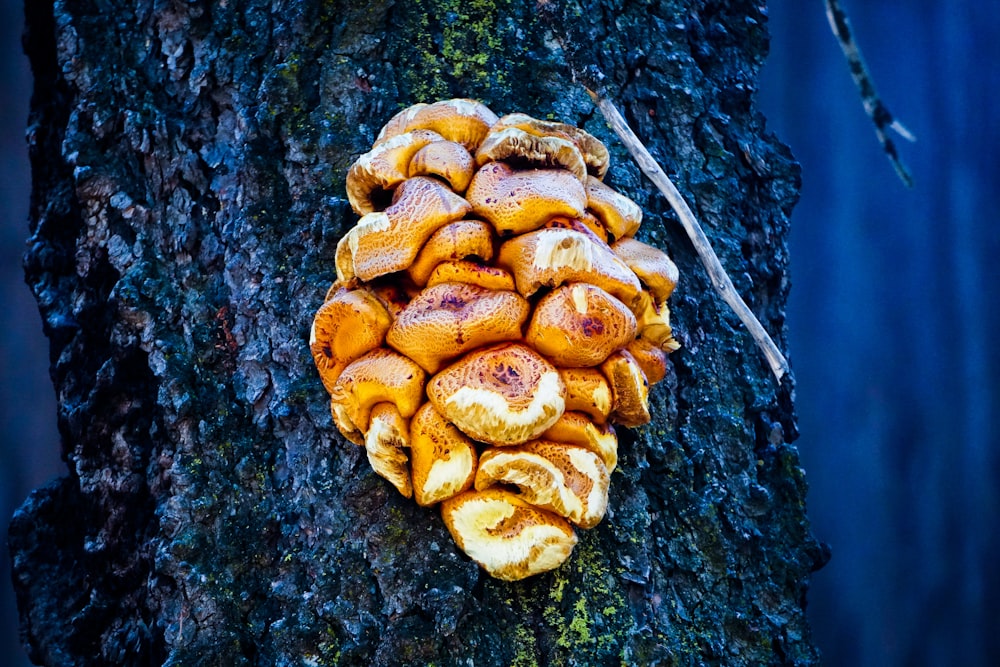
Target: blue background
[{"x": 893, "y": 323}]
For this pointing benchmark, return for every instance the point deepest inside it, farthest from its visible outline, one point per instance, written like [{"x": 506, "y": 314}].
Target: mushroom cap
[
  {"x": 380, "y": 376},
  {"x": 389, "y": 241},
  {"x": 349, "y": 324},
  {"x": 392, "y": 295},
  {"x": 503, "y": 395},
  {"x": 463, "y": 121},
  {"x": 443, "y": 460},
  {"x": 377, "y": 173},
  {"x": 629, "y": 389},
  {"x": 474, "y": 273},
  {"x": 386, "y": 443},
  {"x": 515, "y": 202},
  {"x": 445, "y": 320},
  {"x": 550, "y": 257},
  {"x": 568, "y": 480},
  {"x": 651, "y": 359},
  {"x": 586, "y": 224},
  {"x": 447, "y": 160},
  {"x": 620, "y": 215},
  {"x": 344, "y": 424},
  {"x": 523, "y": 149},
  {"x": 655, "y": 269},
  {"x": 588, "y": 391},
  {"x": 594, "y": 153},
  {"x": 576, "y": 428},
  {"x": 456, "y": 240},
  {"x": 653, "y": 322},
  {"x": 579, "y": 324},
  {"x": 508, "y": 537}
]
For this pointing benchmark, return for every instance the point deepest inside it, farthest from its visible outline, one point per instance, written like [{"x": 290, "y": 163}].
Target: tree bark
[{"x": 188, "y": 162}]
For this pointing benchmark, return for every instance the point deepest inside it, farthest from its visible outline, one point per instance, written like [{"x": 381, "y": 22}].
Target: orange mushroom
[
  {"x": 629, "y": 388},
  {"x": 374, "y": 175},
  {"x": 620, "y": 215},
  {"x": 443, "y": 459},
  {"x": 515, "y": 202},
  {"x": 380, "y": 376},
  {"x": 550, "y": 257},
  {"x": 588, "y": 391},
  {"x": 651, "y": 359},
  {"x": 446, "y": 320},
  {"x": 463, "y": 121},
  {"x": 349, "y": 324},
  {"x": 593, "y": 153},
  {"x": 568, "y": 480},
  {"x": 656, "y": 271},
  {"x": 446, "y": 160},
  {"x": 524, "y": 149},
  {"x": 579, "y": 325},
  {"x": 503, "y": 395},
  {"x": 474, "y": 273},
  {"x": 576, "y": 428},
  {"x": 454, "y": 241},
  {"x": 508, "y": 537},
  {"x": 389, "y": 241},
  {"x": 653, "y": 322},
  {"x": 386, "y": 443}
]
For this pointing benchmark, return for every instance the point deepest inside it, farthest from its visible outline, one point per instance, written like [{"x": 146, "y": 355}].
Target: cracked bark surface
[{"x": 188, "y": 163}]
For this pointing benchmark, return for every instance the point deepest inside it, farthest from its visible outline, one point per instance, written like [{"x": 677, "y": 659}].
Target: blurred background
[{"x": 892, "y": 322}]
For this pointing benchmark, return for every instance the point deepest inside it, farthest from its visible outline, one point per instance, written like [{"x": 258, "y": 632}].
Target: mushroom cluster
[{"x": 493, "y": 318}]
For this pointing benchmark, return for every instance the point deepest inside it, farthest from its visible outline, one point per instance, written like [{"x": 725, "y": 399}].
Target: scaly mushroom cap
[
  {"x": 629, "y": 389},
  {"x": 565, "y": 479},
  {"x": 463, "y": 121},
  {"x": 579, "y": 325},
  {"x": 655, "y": 269},
  {"x": 620, "y": 215},
  {"x": 374, "y": 175},
  {"x": 446, "y": 320},
  {"x": 444, "y": 461},
  {"x": 550, "y": 257},
  {"x": 651, "y": 359},
  {"x": 587, "y": 390},
  {"x": 454, "y": 241},
  {"x": 503, "y": 395},
  {"x": 349, "y": 324},
  {"x": 344, "y": 424},
  {"x": 474, "y": 273},
  {"x": 386, "y": 443},
  {"x": 524, "y": 149},
  {"x": 447, "y": 160},
  {"x": 576, "y": 428},
  {"x": 389, "y": 241},
  {"x": 380, "y": 376},
  {"x": 594, "y": 153},
  {"x": 654, "y": 322},
  {"x": 515, "y": 202},
  {"x": 508, "y": 537}
]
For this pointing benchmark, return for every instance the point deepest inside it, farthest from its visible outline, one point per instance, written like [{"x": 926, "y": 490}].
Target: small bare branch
[{"x": 720, "y": 280}]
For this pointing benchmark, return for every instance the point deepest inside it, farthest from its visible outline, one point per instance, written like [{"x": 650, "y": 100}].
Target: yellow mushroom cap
[
  {"x": 550, "y": 257},
  {"x": 374, "y": 175},
  {"x": 655, "y": 269},
  {"x": 576, "y": 428},
  {"x": 587, "y": 224},
  {"x": 653, "y": 322},
  {"x": 474, "y": 273},
  {"x": 454, "y": 241},
  {"x": 594, "y": 154},
  {"x": 568, "y": 480},
  {"x": 344, "y": 424},
  {"x": 523, "y": 149},
  {"x": 651, "y": 359},
  {"x": 349, "y": 324},
  {"x": 443, "y": 460},
  {"x": 380, "y": 376},
  {"x": 588, "y": 391},
  {"x": 390, "y": 240},
  {"x": 448, "y": 319},
  {"x": 508, "y": 537},
  {"x": 620, "y": 215},
  {"x": 463, "y": 121},
  {"x": 629, "y": 389},
  {"x": 503, "y": 395},
  {"x": 386, "y": 443},
  {"x": 579, "y": 324},
  {"x": 446, "y": 160},
  {"x": 515, "y": 202}
]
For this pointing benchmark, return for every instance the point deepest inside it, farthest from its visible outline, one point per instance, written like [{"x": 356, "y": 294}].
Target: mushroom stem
[{"x": 720, "y": 280}]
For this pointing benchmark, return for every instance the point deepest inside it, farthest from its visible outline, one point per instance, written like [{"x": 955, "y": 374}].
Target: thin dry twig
[
  {"x": 720, "y": 280},
  {"x": 874, "y": 106}
]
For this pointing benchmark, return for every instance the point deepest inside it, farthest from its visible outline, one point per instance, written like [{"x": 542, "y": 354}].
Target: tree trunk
[{"x": 189, "y": 162}]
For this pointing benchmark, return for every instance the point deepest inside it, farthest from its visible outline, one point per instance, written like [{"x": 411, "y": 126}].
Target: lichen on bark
[{"x": 188, "y": 196}]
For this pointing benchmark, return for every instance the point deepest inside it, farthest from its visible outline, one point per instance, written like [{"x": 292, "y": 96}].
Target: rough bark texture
[{"x": 189, "y": 162}]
